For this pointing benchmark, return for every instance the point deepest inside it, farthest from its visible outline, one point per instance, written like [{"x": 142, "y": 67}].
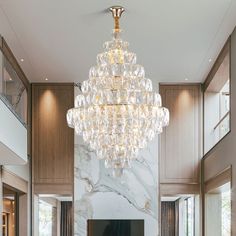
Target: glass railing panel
[
  {"x": 12, "y": 90},
  {"x": 223, "y": 126},
  {"x": 217, "y": 104}
]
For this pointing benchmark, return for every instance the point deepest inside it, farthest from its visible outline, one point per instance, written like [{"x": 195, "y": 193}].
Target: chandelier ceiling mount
[{"x": 116, "y": 13}]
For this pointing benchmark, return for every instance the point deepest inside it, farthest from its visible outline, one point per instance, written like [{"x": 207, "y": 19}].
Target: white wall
[
  {"x": 23, "y": 171},
  {"x": 13, "y": 138}
]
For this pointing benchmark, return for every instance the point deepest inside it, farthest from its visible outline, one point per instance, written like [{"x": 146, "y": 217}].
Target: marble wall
[{"x": 99, "y": 195}]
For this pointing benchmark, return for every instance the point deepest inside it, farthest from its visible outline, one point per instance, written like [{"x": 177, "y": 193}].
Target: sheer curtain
[
  {"x": 169, "y": 219},
  {"x": 66, "y": 219}
]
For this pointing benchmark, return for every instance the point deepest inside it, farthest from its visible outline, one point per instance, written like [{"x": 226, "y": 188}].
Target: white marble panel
[{"x": 99, "y": 195}]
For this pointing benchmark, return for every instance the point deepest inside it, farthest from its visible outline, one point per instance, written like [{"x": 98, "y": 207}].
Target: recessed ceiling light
[
  {"x": 10, "y": 79},
  {"x": 210, "y": 60},
  {"x": 186, "y": 79},
  {"x": 22, "y": 59},
  {"x": 46, "y": 78}
]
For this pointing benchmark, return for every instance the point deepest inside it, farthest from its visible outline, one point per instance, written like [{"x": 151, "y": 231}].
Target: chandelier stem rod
[{"x": 117, "y": 23}]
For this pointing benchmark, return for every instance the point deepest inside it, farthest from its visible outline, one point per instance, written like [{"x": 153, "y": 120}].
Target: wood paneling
[
  {"x": 180, "y": 143},
  {"x": 23, "y": 214},
  {"x": 53, "y": 188},
  {"x": 225, "y": 50},
  {"x": 221, "y": 76},
  {"x": 11, "y": 179},
  {"x": 219, "y": 180},
  {"x": 179, "y": 189},
  {"x": 53, "y": 140},
  {"x": 1, "y": 42}
]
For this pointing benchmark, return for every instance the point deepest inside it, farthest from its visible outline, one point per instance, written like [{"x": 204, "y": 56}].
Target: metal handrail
[
  {"x": 9, "y": 106},
  {"x": 220, "y": 121}
]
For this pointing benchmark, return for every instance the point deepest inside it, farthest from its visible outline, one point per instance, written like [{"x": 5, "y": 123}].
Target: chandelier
[{"x": 117, "y": 112}]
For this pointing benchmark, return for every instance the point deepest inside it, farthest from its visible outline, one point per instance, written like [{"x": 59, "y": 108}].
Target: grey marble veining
[{"x": 100, "y": 195}]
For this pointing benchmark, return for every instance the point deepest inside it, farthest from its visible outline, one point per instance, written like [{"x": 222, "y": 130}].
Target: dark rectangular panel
[{"x": 115, "y": 227}]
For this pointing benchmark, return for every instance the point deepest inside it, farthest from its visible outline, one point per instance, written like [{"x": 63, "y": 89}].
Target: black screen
[{"x": 115, "y": 227}]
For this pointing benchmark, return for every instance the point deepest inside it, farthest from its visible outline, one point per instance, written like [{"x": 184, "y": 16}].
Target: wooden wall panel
[
  {"x": 180, "y": 145},
  {"x": 53, "y": 140},
  {"x": 11, "y": 179},
  {"x": 174, "y": 189}
]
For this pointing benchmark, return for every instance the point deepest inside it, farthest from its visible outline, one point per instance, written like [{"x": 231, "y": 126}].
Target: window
[
  {"x": 188, "y": 219},
  {"x": 180, "y": 215},
  {"x": 53, "y": 215},
  {"x": 218, "y": 206},
  {"x": 226, "y": 213},
  {"x": 46, "y": 219},
  {"x": 10, "y": 211},
  {"x": 217, "y": 101}
]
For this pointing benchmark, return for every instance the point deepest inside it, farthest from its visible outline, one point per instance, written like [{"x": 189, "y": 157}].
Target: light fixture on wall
[{"x": 117, "y": 112}]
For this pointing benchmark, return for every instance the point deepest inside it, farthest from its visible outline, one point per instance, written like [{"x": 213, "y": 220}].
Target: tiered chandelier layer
[{"x": 117, "y": 112}]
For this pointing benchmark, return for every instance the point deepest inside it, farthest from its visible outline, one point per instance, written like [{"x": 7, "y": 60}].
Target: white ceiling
[
  {"x": 59, "y": 39},
  {"x": 170, "y": 199}
]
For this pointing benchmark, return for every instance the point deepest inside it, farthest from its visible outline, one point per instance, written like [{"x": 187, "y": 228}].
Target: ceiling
[
  {"x": 170, "y": 199},
  {"x": 60, "y": 39},
  {"x": 175, "y": 198}
]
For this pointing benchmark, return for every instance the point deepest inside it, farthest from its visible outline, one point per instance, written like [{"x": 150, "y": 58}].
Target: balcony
[
  {"x": 217, "y": 102},
  {"x": 13, "y": 116}
]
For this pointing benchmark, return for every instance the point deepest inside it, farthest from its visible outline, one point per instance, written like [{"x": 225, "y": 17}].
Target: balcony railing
[
  {"x": 12, "y": 91},
  {"x": 13, "y": 110},
  {"x": 223, "y": 126},
  {"x": 221, "y": 120}
]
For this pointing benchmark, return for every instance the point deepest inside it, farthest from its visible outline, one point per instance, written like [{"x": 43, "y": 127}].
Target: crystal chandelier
[{"x": 117, "y": 112}]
